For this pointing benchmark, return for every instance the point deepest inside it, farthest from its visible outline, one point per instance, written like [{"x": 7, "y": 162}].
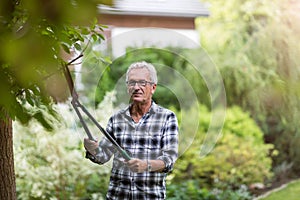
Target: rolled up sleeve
[{"x": 169, "y": 143}]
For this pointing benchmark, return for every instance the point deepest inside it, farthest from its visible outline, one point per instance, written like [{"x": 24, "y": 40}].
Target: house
[
  {"x": 175, "y": 14},
  {"x": 151, "y": 22}
]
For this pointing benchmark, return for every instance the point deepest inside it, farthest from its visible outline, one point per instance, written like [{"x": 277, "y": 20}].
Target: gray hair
[{"x": 144, "y": 65}]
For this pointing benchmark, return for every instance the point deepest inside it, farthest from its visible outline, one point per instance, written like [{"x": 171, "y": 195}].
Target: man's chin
[{"x": 137, "y": 99}]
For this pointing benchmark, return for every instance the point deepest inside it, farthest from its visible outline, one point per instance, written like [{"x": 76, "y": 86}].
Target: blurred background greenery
[{"x": 253, "y": 43}]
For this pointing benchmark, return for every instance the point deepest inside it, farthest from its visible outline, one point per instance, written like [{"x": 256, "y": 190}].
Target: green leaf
[
  {"x": 29, "y": 97},
  {"x": 77, "y": 46},
  {"x": 101, "y": 36},
  {"x": 85, "y": 31},
  {"x": 94, "y": 37},
  {"x": 41, "y": 118},
  {"x": 65, "y": 48}
]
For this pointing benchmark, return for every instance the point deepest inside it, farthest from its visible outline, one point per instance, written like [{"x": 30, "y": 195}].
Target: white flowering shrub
[{"x": 53, "y": 165}]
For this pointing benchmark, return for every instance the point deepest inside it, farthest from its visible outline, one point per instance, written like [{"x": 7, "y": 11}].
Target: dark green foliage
[
  {"x": 239, "y": 156},
  {"x": 96, "y": 183},
  {"x": 188, "y": 190},
  {"x": 192, "y": 190}
]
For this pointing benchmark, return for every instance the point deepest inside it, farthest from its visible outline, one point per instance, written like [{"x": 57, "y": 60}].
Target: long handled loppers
[{"x": 77, "y": 105}]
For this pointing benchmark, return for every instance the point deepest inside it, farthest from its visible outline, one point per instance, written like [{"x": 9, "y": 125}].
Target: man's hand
[
  {"x": 90, "y": 145},
  {"x": 137, "y": 165}
]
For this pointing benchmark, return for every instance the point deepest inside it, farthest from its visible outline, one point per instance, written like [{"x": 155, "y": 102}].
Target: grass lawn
[{"x": 290, "y": 192}]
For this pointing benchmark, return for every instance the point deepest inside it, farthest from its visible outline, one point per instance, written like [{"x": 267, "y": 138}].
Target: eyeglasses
[{"x": 139, "y": 83}]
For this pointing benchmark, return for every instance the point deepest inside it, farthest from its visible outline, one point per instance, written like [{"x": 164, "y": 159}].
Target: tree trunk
[{"x": 7, "y": 172}]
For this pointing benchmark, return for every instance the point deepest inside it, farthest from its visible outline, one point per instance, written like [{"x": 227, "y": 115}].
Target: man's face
[{"x": 139, "y": 87}]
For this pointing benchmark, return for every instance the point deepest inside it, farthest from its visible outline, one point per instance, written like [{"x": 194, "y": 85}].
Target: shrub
[{"x": 239, "y": 157}]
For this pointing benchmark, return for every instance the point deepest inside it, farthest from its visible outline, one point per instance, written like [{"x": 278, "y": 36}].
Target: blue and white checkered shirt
[{"x": 154, "y": 137}]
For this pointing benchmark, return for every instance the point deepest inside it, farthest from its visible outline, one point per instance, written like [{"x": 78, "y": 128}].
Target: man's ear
[{"x": 153, "y": 89}]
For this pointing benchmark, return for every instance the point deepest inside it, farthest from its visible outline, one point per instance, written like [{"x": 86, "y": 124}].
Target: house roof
[{"x": 167, "y": 8}]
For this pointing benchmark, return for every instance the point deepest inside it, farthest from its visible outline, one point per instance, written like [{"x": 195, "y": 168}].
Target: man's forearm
[{"x": 157, "y": 165}]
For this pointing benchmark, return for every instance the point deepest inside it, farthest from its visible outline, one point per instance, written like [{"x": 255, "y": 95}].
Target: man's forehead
[{"x": 139, "y": 72}]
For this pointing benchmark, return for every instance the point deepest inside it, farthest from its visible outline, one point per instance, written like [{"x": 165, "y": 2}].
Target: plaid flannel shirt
[{"x": 154, "y": 137}]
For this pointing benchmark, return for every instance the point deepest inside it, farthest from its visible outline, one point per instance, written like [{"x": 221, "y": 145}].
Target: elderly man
[{"x": 148, "y": 132}]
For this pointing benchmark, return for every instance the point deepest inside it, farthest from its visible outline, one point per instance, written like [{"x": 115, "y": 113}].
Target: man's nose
[{"x": 136, "y": 86}]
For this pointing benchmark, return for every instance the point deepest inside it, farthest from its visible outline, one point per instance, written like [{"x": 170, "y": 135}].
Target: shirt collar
[{"x": 153, "y": 109}]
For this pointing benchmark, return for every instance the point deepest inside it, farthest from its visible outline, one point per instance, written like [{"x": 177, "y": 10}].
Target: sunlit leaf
[{"x": 94, "y": 36}]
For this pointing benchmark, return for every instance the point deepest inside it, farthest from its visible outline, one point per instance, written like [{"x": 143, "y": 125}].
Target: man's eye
[{"x": 139, "y": 83}]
